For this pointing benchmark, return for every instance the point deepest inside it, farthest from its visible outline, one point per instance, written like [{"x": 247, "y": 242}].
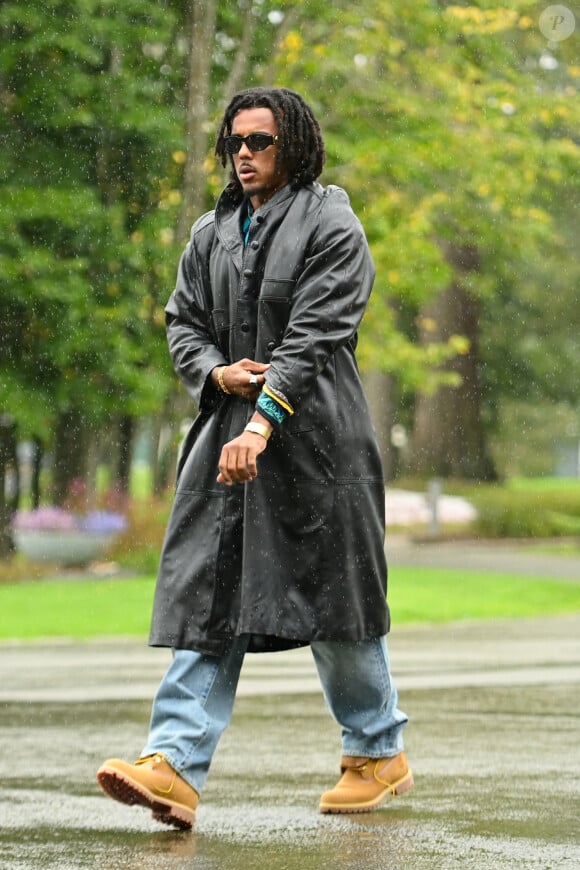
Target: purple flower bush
[
  {"x": 57, "y": 519},
  {"x": 103, "y": 522}
]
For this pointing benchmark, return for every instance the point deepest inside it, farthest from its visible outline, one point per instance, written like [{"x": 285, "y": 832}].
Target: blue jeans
[{"x": 195, "y": 700}]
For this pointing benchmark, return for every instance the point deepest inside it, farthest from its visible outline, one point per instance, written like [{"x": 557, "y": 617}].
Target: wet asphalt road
[{"x": 494, "y": 742}]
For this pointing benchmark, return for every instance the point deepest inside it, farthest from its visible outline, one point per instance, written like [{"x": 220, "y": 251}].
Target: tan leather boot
[
  {"x": 153, "y": 783},
  {"x": 366, "y": 783}
]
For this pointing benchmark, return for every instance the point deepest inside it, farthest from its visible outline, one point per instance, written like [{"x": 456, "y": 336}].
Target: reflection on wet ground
[{"x": 497, "y": 770}]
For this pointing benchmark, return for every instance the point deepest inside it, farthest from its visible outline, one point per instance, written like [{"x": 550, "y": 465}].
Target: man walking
[{"x": 284, "y": 547}]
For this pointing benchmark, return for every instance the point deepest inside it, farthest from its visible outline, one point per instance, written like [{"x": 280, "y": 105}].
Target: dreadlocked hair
[{"x": 301, "y": 147}]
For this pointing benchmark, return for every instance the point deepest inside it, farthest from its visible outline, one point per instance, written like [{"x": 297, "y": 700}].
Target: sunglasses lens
[
  {"x": 255, "y": 142},
  {"x": 232, "y": 144},
  {"x": 258, "y": 141}
]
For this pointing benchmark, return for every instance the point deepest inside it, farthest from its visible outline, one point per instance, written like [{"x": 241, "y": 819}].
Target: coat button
[
  {"x": 271, "y": 346},
  {"x": 245, "y": 327},
  {"x": 248, "y": 273},
  {"x": 255, "y": 245}
]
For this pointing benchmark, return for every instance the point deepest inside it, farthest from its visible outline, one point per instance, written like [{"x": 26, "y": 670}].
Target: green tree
[
  {"x": 88, "y": 204},
  {"x": 457, "y": 147}
]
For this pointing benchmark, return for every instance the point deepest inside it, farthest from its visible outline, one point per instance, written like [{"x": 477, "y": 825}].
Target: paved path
[
  {"x": 498, "y": 653},
  {"x": 491, "y": 555},
  {"x": 482, "y": 697}
]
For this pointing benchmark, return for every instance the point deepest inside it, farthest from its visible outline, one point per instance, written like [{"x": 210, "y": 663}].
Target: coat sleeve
[
  {"x": 329, "y": 298},
  {"x": 191, "y": 339}
]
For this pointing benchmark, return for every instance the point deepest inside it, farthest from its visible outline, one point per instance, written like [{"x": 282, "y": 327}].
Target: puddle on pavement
[{"x": 486, "y": 796}]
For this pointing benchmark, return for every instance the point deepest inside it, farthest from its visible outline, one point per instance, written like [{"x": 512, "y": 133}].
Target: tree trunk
[
  {"x": 380, "y": 388},
  {"x": 237, "y": 72},
  {"x": 126, "y": 430},
  {"x": 92, "y": 463},
  {"x": 203, "y": 15},
  {"x": 8, "y": 459},
  {"x": 70, "y": 455},
  {"x": 35, "y": 468},
  {"x": 178, "y": 413},
  {"x": 448, "y": 437}
]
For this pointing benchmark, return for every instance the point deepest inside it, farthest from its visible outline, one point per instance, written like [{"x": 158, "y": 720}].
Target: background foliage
[{"x": 454, "y": 127}]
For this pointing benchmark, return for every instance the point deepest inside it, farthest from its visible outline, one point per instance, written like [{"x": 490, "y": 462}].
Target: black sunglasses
[{"x": 255, "y": 142}]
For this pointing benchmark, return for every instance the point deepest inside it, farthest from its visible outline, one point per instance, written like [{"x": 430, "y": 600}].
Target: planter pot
[{"x": 67, "y": 547}]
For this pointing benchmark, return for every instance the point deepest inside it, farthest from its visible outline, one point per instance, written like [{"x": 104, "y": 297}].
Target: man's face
[{"x": 256, "y": 170}]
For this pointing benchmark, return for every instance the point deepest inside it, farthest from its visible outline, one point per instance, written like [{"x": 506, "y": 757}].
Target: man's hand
[
  {"x": 243, "y": 378},
  {"x": 238, "y": 460}
]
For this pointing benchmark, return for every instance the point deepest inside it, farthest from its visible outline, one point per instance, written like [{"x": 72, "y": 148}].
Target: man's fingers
[
  {"x": 237, "y": 465},
  {"x": 252, "y": 365}
]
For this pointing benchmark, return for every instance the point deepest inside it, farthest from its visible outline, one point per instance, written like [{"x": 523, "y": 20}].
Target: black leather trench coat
[{"x": 298, "y": 554}]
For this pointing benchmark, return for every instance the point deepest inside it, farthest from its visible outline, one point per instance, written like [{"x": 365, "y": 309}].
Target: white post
[{"x": 433, "y": 495}]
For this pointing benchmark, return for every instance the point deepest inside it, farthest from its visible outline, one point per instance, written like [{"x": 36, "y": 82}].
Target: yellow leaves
[
  {"x": 292, "y": 41},
  {"x": 529, "y": 176},
  {"x": 382, "y": 347},
  {"x": 393, "y": 276},
  {"x": 166, "y": 236},
  {"x": 438, "y": 198},
  {"x": 395, "y": 47},
  {"x": 568, "y": 147},
  {"x": 538, "y": 214},
  {"x": 168, "y": 198},
  {"x": 420, "y": 218},
  {"x": 291, "y": 46},
  {"x": 427, "y": 324},
  {"x": 417, "y": 221},
  {"x": 460, "y": 344},
  {"x": 474, "y": 20},
  {"x": 179, "y": 157},
  {"x": 147, "y": 305}
]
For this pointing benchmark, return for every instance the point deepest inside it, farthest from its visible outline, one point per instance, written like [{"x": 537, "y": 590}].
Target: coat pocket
[
  {"x": 274, "y": 306},
  {"x": 288, "y": 510},
  {"x": 221, "y": 329}
]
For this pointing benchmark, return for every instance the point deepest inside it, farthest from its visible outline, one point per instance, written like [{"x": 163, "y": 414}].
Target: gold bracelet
[
  {"x": 258, "y": 429},
  {"x": 222, "y": 386}
]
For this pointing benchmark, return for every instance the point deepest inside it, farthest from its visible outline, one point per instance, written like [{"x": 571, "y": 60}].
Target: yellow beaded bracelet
[{"x": 220, "y": 377}]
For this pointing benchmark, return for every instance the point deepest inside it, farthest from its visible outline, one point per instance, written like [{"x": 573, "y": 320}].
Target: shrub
[
  {"x": 139, "y": 547},
  {"x": 506, "y": 513}
]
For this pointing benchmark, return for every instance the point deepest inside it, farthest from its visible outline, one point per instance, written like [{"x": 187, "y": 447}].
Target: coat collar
[{"x": 228, "y": 217}]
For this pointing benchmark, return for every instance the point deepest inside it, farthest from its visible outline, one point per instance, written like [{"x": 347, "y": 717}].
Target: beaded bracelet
[{"x": 220, "y": 377}]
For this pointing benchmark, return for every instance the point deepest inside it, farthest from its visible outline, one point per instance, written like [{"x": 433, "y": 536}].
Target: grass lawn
[
  {"x": 441, "y": 595},
  {"x": 115, "y": 607}
]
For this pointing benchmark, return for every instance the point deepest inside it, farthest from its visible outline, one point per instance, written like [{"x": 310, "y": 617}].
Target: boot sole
[
  {"x": 125, "y": 790},
  {"x": 394, "y": 790}
]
